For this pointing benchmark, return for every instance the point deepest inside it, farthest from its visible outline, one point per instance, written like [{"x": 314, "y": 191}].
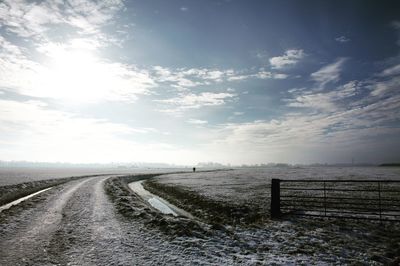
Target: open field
[
  {"x": 237, "y": 202},
  {"x": 250, "y": 188},
  {"x": 17, "y": 175},
  {"x": 99, "y": 220}
]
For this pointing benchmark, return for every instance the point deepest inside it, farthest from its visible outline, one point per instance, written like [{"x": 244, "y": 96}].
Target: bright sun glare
[{"x": 75, "y": 75}]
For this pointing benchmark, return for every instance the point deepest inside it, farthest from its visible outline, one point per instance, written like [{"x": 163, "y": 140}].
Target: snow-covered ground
[
  {"x": 99, "y": 221},
  {"x": 291, "y": 239},
  {"x": 252, "y": 186},
  {"x": 17, "y": 175}
]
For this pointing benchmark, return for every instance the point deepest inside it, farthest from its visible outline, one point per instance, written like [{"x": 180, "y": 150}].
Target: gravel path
[{"x": 75, "y": 224}]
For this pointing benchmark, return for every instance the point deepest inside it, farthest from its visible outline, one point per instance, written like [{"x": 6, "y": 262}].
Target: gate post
[{"x": 275, "y": 198}]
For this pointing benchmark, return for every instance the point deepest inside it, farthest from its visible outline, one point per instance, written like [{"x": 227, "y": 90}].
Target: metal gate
[{"x": 357, "y": 199}]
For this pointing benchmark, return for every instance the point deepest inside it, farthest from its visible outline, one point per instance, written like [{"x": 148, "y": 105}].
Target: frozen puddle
[
  {"x": 15, "y": 202},
  {"x": 157, "y": 202}
]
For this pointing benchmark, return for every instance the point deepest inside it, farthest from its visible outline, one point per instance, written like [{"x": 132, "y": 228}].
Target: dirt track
[{"x": 75, "y": 224}]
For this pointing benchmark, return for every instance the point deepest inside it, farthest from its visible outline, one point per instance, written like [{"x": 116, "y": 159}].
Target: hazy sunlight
[{"x": 75, "y": 75}]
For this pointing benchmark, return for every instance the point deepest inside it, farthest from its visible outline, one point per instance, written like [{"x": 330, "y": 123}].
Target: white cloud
[
  {"x": 182, "y": 78},
  {"x": 349, "y": 89},
  {"x": 70, "y": 69},
  {"x": 326, "y": 101},
  {"x": 30, "y": 130},
  {"x": 319, "y": 101},
  {"x": 194, "y": 101},
  {"x": 294, "y": 135},
  {"x": 178, "y": 79},
  {"x": 216, "y": 75},
  {"x": 261, "y": 74},
  {"x": 27, "y": 19},
  {"x": 239, "y": 77},
  {"x": 204, "y": 74},
  {"x": 280, "y": 76},
  {"x": 35, "y": 18},
  {"x": 72, "y": 72},
  {"x": 197, "y": 121},
  {"x": 198, "y": 100},
  {"x": 391, "y": 71},
  {"x": 329, "y": 73},
  {"x": 342, "y": 39},
  {"x": 36, "y": 116},
  {"x": 289, "y": 58},
  {"x": 267, "y": 134},
  {"x": 385, "y": 87},
  {"x": 269, "y": 75},
  {"x": 16, "y": 70},
  {"x": 183, "y": 9}
]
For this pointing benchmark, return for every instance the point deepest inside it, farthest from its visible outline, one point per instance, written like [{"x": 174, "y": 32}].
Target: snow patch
[{"x": 15, "y": 202}]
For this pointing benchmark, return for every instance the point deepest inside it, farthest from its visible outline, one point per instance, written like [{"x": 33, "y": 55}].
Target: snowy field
[
  {"x": 252, "y": 186},
  {"x": 103, "y": 219},
  {"x": 13, "y": 175},
  {"x": 290, "y": 240}
]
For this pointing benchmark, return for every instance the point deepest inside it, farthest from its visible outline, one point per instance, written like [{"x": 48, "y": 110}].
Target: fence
[{"x": 357, "y": 199}]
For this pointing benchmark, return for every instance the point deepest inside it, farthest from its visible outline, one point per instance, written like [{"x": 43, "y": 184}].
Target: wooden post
[{"x": 275, "y": 198}]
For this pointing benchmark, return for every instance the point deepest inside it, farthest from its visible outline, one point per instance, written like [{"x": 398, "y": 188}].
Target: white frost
[
  {"x": 15, "y": 202},
  {"x": 157, "y": 202}
]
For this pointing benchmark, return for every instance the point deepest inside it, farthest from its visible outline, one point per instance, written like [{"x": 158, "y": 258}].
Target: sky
[{"x": 183, "y": 82}]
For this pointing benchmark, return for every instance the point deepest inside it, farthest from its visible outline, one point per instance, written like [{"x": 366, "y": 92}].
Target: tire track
[
  {"x": 89, "y": 233},
  {"x": 76, "y": 224},
  {"x": 29, "y": 245}
]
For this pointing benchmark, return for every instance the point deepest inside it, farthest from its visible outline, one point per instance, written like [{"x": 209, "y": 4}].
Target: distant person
[{"x": 194, "y": 169}]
